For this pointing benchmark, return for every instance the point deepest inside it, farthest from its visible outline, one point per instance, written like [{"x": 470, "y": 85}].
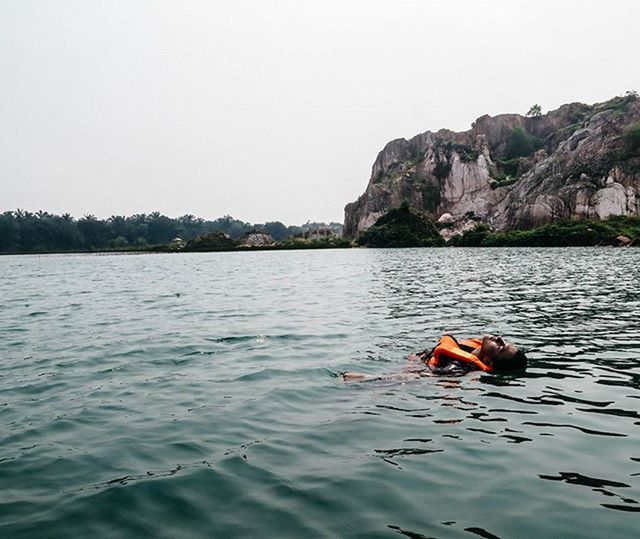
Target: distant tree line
[{"x": 23, "y": 231}]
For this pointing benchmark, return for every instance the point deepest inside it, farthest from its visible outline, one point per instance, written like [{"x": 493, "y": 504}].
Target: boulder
[
  {"x": 458, "y": 228},
  {"x": 624, "y": 241}
]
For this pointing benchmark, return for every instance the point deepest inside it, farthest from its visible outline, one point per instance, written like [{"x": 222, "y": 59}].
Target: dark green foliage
[
  {"x": 401, "y": 227},
  {"x": 94, "y": 231},
  {"x": 233, "y": 227},
  {"x": 215, "y": 241},
  {"x": 118, "y": 243},
  {"x": 565, "y": 233},
  {"x": 508, "y": 167},
  {"x": 328, "y": 243},
  {"x": 219, "y": 241},
  {"x": 627, "y": 226},
  {"x": 443, "y": 225},
  {"x": 468, "y": 154},
  {"x": 9, "y": 237},
  {"x": 443, "y": 162},
  {"x": 276, "y": 230},
  {"x": 631, "y": 137},
  {"x": 161, "y": 229},
  {"x": 40, "y": 231},
  {"x": 442, "y": 169},
  {"x": 472, "y": 238},
  {"x": 502, "y": 182},
  {"x": 521, "y": 144},
  {"x": 431, "y": 195},
  {"x": 418, "y": 156},
  {"x": 24, "y": 232},
  {"x": 535, "y": 111}
]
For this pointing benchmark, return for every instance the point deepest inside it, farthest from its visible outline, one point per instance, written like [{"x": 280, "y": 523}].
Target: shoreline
[{"x": 254, "y": 249}]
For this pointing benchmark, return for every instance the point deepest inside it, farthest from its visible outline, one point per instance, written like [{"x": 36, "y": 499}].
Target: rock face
[{"x": 512, "y": 171}]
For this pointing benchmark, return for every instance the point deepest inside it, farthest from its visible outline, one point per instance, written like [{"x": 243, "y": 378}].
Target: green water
[{"x": 197, "y": 395}]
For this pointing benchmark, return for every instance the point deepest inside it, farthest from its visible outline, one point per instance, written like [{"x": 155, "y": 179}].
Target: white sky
[{"x": 272, "y": 110}]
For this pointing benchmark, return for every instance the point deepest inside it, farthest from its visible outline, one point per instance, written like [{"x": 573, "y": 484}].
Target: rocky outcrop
[
  {"x": 512, "y": 171},
  {"x": 257, "y": 239}
]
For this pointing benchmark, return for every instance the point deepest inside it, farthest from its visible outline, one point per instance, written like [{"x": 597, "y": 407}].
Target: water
[{"x": 197, "y": 395}]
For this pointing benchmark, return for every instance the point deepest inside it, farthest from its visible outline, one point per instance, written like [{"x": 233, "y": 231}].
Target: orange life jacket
[{"x": 449, "y": 348}]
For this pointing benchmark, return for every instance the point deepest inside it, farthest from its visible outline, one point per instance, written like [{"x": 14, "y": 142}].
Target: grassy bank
[{"x": 569, "y": 233}]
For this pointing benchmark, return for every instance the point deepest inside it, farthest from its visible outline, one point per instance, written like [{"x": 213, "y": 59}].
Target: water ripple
[{"x": 199, "y": 394}]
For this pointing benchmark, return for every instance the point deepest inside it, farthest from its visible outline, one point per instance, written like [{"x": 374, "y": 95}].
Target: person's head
[{"x": 501, "y": 354}]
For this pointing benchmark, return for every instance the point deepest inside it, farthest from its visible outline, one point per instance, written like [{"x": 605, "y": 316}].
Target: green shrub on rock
[
  {"x": 471, "y": 238},
  {"x": 442, "y": 169},
  {"x": 521, "y": 144},
  {"x": 401, "y": 227},
  {"x": 631, "y": 138}
]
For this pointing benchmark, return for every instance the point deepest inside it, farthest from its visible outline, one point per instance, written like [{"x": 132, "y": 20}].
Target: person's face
[{"x": 495, "y": 347}]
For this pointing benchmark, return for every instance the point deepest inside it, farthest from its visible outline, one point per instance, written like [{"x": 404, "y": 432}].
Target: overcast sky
[{"x": 272, "y": 110}]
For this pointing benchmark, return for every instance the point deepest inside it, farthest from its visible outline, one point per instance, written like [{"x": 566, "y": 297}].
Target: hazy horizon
[{"x": 272, "y": 110}]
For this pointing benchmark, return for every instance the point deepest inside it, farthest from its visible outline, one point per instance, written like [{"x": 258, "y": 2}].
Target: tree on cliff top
[{"x": 535, "y": 111}]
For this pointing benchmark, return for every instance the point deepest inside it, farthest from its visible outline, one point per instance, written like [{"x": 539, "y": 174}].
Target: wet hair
[{"x": 516, "y": 362}]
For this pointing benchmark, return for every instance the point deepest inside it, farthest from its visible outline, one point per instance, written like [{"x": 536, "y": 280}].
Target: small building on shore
[{"x": 323, "y": 233}]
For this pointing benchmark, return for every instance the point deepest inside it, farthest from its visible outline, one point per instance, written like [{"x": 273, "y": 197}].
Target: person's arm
[
  {"x": 351, "y": 376},
  {"x": 361, "y": 377},
  {"x": 421, "y": 356}
]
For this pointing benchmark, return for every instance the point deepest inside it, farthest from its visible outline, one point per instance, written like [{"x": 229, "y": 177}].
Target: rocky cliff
[{"x": 512, "y": 171}]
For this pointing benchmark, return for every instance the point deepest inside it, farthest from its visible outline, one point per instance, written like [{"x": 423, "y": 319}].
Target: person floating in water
[{"x": 489, "y": 354}]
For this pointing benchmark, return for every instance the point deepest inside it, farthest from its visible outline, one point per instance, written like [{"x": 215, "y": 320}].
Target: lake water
[{"x": 198, "y": 395}]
